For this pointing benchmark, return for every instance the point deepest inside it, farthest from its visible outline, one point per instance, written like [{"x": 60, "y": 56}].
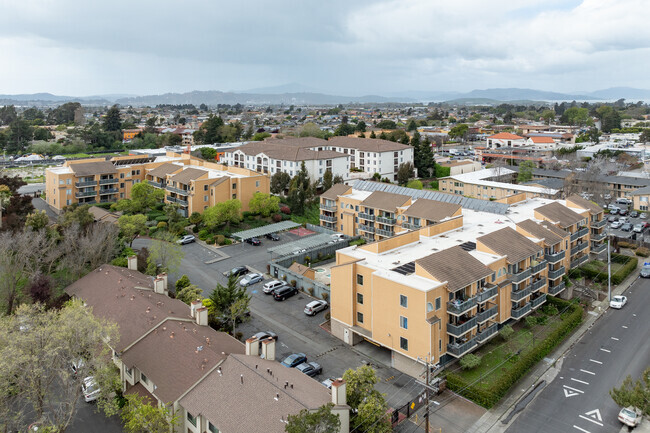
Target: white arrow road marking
[
  {"x": 581, "y": 429},
  {"x": 588, "y": 372},
  {"x": 580, "y": 381},
  {"x": 593, "y": 360}
]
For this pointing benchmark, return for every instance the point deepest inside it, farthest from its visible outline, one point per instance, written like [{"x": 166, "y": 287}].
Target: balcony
[
  {"x": 597, "y": 237},
  {"x": 554, "y": 290},
  {"x": 554, "y": 257},
  {"x": 459, "y": 330},
  {"x": 520, "y": 276},
  {"x": 579, "y": 247},
  {"x": 538, "y": 301},
  {"x": 85, "y": 194},
  {"x": 599, "y": 249},
  {"x": 331, "y": 208},
  {"x": 105, "y": 191},
  {"x": 409, "y": 226},
  {"x": 458, "y": 350},
  {"x": 177, "y": 190},
  {"x": 85, "y": 183},
  {"x": 489, "y": 292},
  {"x": 457, "y": 307},
  {"x": 536, "y": 285},
  {"x": 329, "y": 219},
  {"x": 520, "y": 294},
  {"x": 580, "y": 233},
  {"x": 365, "y": 228},
  {"x": 538, "y": 267},
  {"x": 487, "y": 314},
  {"x": 388, "y": 221},
  {"x": 518, "y": 313},
  {"x": 386, "y": 233},
  {"x": 597, "y": 224},
  {"x": 177, "y": 200},
  {"x": 577, "y": 262},
  {"x": 366, "y": 216},
  {"x": 487, "y": 333},
  {"x": 108, "y": 181},
  {"x": 556, "y": 273}
]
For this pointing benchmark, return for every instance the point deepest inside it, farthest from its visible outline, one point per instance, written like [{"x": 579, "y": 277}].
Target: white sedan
[
  {"x": 618, "y": 301},
  {"x": 251, "y": 279}
]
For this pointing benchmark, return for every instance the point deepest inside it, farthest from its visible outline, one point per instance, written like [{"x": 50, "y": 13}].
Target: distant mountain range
[{"x": 297, "y": 94}]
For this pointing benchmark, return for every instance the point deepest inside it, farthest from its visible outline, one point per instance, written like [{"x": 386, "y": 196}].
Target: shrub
[
  {"x": 285, "y": 210},
  {"x": 470, "y": 361},
  {"x": 642, "y": 252},
  {"x": 325, "y": 296},
  {"x": 161, "y": 225},
  {"x": 506, "y": 332},
  {"x": 277, "y": 218}
]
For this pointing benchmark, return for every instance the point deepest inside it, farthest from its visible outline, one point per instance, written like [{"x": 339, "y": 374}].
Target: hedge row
[{"x": 489, "y": 397}]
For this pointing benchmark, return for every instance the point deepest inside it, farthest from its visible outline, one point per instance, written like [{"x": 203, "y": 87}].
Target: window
[
  {"x": 404, "y": 322},
  {"x": 438, "y": 303},
  {"x": 359, "y": 298},
  {"x": 429, "y": 307},
  {"x": 143, "y": 378},
  {"x": 191, "y": 418},
  {"x": 403, "y": 343},
  {"x": 212, "y": 428},
  {"x": 403, "y": 301},
  {"x": 360, "y": 279},
  {"x": 359, "y": 317}
]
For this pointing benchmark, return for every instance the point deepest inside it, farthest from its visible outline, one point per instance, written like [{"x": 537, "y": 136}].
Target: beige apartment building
[
  {"x": 192, "y": 183},
  {"x": 450, "y": 277}
]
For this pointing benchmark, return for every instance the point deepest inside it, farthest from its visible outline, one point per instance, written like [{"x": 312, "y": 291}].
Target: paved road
[{"x": 578, "y": 400}]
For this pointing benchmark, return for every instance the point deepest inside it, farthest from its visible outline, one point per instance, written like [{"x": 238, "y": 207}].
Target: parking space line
[
  {"x": 588, "y": 372},
  {"x": 605, "y": 350},
  {"x": 580, "y": 381},
  {"x": 597, "y": 362},
  {"x": 591, "y": 420},
  {"x": 614, "y": 338},
  {"x": 581, "y": 429}
]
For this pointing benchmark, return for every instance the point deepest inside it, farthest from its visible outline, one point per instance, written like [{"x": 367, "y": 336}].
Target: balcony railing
[
  {"x": 458, "y": 350},
  {"x": 538, "y": 301},
  {"x": 105, "y": 191},
  {"x": 597, "y": 237},
  {"x": 487, "y": 314},
  {"x": 554, "y": 290},
  {"x": 365, "y": 228},
  {"x": 577, "y": 262},
  {"x": 489, "y": 291},
  {"x": 597, "y": 224},
  {"x": 85, "y": 194},
  {"x": 554, "y": 257},
  {"x": 328, "y": 207},
  {"x": 599, "y": 249},
  {"x": 459, "y": 330},
  {"x": 520, "y": 294},
  {"x": 518, "y": 313},
  {"x": 389, "y": 221},
  {"x": 579, "y": 247},
  {"x": 366, "y": 216},
  {"x": 387, "y": 233},
  {"x": 580, "y": 233},
  {"x": 177, "y": 200},
  {"x": 85, "y": 183},
  {"x": 457, "y": 308},
  {"x": 410, "y": 226},
  {"x": 177, "y": 190},
  {"x": 487, "y": 333},
  {"x": 538, "y": 267},
  {"x": 536, "y": 285},
  {"x": 108, "y": 181},
  {"x": 331, "y": 219},
  {"x": 556, "y": 273},
  {"x": 520, "y": 276}
]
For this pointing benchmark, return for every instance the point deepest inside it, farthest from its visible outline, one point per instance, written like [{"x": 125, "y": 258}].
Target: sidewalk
[{"x": 548, "y": 368}]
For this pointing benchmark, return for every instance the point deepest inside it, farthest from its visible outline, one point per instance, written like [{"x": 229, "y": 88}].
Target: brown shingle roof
[
  {"x": 335, "y": 191},
  {"x": 176, "y": 354},
  {"x": 431, "y": 210},
  {"x": 558, "y": 213},
  {"x": 456, "y": 266},
  {"x": 507, "y": 242},
  {"x": 592, "y": 207},
  {"x": 385, "y": 201},
  {"x": 165, "y": 169},
  {"x": 540, "y": 232},
  {"x": 91, "y": 168},
  {"x": 187, "y": 175},
  {"x": 251, "y": 406}
]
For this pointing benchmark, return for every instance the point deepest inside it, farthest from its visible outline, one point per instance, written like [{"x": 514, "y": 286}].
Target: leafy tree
[
  {"x": 280, "y": 182},
  {"x": 189, "y": 293},
  {"x": 165, "y": 254},
  {"x": 415, "y": 184},
  {"x": 327, "y": 180},
  {"x": 387, "y": 124},
  {"x": 131, "y": 226},
  {"x": 208, "y": 153},
  {"x": 222, "y": 213},
  {"x": 405, "y": 172},
  {"x": 264, "y": 204},
  {"x": 37, "y": 220},
  {"x": 112, "y": 121},
  {"x": 77, "y": 214},
  {"x": 525, "y": 171},
  {"x": 361, "y": 126},
  {"x": 636, "y": 394},
  {"x": 140, "y": 415},
  {"x": 320, "y": 421}
]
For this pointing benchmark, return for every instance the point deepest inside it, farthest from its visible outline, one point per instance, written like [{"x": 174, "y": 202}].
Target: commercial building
[
  {"x": 192, "y": 183},
  {"x": 451, "y": 276}
]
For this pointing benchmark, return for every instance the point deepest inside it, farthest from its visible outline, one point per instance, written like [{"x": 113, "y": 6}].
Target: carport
[
  {"x": 301, "y": 244},
  {"x": 265, "y": 230}
]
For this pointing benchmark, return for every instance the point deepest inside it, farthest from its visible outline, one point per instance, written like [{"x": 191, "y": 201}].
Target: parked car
[
  {"x": 626, "y": 227},
  {"x": 634, "y": 214},
  {"x": 238, "y": 271},
  {"x": 284, "y": 292},
  {"x": 311, "y": 369},
  {"x": 315, "y": 307},
  {"x": 251, "y": 279},
  {"x": 616, "y": 225},
  {"x": 263, "y": 335},
  {"x": 645, "y": 271},
  {"x": 90, "y": 389},
  {"x": 611, "y": 218},
  {"x": 270, "y": 287},
  {"x": 643, "y": 215},
  {"x": 273, "y": 237},
  {"x": 294, "y": 359},
  {"x": 630, "y": 416},
  {"x": 618, "y": 301},
  {"x": 187, "y": 239},
  {"x": 254, "y": 241}
]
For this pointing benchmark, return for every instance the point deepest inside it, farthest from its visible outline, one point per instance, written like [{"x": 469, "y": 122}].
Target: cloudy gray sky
[{"x": 350, "y": 47}]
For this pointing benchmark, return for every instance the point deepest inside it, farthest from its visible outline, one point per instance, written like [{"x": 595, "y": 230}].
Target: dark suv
[{"x": 284, "y": 292}]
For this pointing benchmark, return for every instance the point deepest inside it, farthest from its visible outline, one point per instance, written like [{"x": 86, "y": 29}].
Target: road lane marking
[
  {"x": 588, "y": 372},
  {"x": 605, "y": 350},
  {"x": 581, "y": 429},
  {"x": 624, "y": 326},
  {"x": 593, "y": 360},
  {"x": 614, "y": 338},
  {"x": 580, "y": 381}
]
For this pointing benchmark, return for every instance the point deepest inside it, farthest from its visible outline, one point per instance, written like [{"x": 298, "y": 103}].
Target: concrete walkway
[{"x": 545, "y": 370}]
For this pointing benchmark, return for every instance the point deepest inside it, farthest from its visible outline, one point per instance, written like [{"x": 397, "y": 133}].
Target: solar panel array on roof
[
  {"x": 405, "y": 269},
  {"x": 468, "y": 246},
  {"x": 465, "y": 202}
]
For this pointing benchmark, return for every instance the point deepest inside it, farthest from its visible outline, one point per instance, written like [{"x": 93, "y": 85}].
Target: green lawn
[{"x": 311, "y": 215}]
